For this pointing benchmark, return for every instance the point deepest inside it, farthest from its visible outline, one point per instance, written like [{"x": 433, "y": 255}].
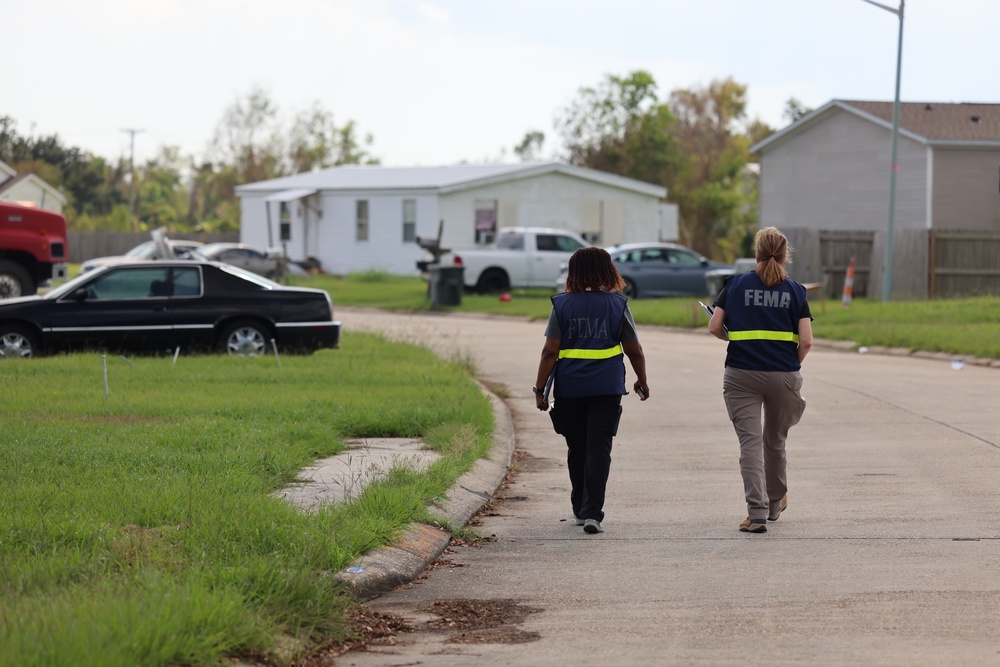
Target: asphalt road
[{"x": 888, "y": 554}]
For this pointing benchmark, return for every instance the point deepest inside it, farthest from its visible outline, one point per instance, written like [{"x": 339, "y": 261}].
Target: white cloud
[{"x": 434, "y": 13}]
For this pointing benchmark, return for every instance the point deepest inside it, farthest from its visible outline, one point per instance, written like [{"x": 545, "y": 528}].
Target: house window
[
  {"x": 486, "y": 221},
  {"x": 362, "y": 219},
  {"x": 286, "y": 222},
  {"x": 409, "y": 220}
]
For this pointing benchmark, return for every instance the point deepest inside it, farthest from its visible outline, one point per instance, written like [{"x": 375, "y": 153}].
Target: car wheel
[
  {"x": 14, "y": 281},
  {"x": 629, "y": 290},
  {"x": 244, "y": 338},
  {"x": 493, "y": 280},
  {"x": 17, "y": 343}
]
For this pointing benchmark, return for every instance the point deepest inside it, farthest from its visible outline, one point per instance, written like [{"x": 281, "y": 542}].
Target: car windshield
[{"x": 70, "y": 285}]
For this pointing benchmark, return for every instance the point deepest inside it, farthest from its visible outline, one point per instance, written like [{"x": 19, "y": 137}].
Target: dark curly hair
[{"x": 592, "y": 268}]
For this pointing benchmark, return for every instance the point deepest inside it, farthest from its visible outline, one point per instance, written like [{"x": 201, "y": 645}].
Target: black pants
[{"x": 588, "y": 424}]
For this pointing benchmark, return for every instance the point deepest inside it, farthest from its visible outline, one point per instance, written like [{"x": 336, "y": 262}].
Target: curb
[{"x": 385, "y": 568}]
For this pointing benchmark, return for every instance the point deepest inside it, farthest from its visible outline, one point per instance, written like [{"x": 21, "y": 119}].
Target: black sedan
[{"x": 160, "y": 306}]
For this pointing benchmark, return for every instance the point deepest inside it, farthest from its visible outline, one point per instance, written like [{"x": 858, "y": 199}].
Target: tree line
[
  {"x": 695, "y": 143},
  {"x": 251, "y": 143}
]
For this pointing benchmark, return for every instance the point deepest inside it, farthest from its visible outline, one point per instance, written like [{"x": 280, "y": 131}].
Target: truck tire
[
  {"x": 14, "y": 281},
  {"x": 493, "y": 280}
]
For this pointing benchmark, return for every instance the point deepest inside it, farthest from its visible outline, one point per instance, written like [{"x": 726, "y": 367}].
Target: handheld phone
[{"x": 641, "y": 393}]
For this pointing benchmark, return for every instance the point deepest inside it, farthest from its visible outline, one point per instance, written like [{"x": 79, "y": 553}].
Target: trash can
[
  {"x": 714, "y": 280},
  {"x": 446, "y": 285}
]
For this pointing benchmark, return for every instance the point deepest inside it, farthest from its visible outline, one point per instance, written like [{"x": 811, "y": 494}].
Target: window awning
[{"x": 290, "y": 195}]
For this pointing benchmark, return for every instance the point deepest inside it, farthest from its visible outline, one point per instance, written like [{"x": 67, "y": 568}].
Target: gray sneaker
[
  {"x": 592, "y": 526},
  {"x": 579, "y": 521}
]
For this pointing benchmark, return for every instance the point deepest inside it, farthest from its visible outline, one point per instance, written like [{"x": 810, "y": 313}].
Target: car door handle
[{"x": 160, "y": 309}]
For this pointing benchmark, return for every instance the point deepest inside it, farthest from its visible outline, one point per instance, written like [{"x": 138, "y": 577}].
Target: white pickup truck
[{"x": 521, "y": 257}]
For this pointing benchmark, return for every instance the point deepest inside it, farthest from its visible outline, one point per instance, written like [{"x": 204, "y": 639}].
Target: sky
[{"x": 439, "y": 82}]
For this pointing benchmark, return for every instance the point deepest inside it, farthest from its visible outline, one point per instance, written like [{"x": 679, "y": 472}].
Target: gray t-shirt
[{"x": 626, "y": 330}]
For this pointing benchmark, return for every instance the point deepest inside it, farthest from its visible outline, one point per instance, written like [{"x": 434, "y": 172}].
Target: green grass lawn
[{"x": 139, "y": 527}]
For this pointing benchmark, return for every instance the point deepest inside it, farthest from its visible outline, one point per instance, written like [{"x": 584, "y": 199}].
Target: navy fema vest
[
  {"x": 763, "y": 323},
  {"x": 590, "y": 353}
]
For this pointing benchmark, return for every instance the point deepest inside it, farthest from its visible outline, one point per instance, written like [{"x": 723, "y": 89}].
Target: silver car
[
  {"x": 261, "y": 261},
  {"x": 150, "y": 250}
]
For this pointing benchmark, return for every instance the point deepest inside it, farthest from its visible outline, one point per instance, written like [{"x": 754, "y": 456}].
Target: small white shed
[
  {"x": 356, "y": 218},
  {"x": 29, "y": 188}
]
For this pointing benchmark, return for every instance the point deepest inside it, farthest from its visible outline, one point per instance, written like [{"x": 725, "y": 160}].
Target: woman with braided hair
[
  {"x": 765, "y": 316},
  {"x": 590, "y": 331}
]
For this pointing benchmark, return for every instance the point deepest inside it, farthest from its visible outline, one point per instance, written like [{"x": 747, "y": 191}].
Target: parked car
[
  {"x": 149, "y": 250},
  {"x": 521, "y": 257},
  {"x": 157, "y": 306},
  {"x": 263, "y": 262},
  {"x": 658, "y": 269}
]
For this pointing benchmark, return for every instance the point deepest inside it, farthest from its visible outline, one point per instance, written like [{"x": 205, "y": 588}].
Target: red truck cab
[{"x": 32, "y": 249}]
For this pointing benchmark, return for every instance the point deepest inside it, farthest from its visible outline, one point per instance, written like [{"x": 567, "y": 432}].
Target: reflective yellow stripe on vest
[
  {"x": 591, "y": 354},
  {"x": 764, "y": 334}
]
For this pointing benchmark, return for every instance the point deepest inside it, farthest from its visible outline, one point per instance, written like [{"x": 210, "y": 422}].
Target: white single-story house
[
  {"x": 355, "y": 218},
  {"x": 830, "y": 170},
  {"x": 29, "y": 188}
]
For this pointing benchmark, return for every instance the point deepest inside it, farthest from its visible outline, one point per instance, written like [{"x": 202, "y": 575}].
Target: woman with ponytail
[{"x": 765, "y": 316}]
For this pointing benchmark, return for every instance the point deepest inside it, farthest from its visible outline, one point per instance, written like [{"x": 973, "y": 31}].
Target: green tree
[
  {"x": 212, "y": 203},
  {"x": 696, "y": 145},
  {"x": 160, "y": 192},
  {"x": 92, "y": 186},
  {"x": 711, "y": 191},
  {"x": 249, "y": 139},
  {"x": 794, "y": 110},
  {"x": 621, "y": 127},
  {"x": 530, "y": 146}
]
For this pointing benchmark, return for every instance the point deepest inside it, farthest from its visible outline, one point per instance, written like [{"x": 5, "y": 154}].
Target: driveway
[{"x": 887, "y": 554}]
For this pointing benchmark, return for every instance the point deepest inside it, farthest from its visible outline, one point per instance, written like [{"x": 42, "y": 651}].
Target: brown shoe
[
  {"x": 774, "y": 516},
  {"x": 753, "y": 526}
]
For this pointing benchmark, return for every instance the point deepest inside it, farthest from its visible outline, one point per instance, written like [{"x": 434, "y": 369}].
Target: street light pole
[{"x": 890, "y": 232}]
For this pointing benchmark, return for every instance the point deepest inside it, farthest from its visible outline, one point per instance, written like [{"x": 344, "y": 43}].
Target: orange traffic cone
[{"x": 848, "y": 285}]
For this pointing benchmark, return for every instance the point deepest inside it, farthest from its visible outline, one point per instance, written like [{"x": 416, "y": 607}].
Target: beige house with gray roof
[{"x": 830, "y": 170}]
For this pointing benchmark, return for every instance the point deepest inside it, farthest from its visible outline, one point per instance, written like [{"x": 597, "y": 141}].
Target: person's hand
[
  {"x": 642, "y": 389},
  {"x": 541, "y": 403}
]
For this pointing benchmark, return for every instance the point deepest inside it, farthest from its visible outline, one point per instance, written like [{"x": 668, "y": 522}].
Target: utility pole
[{"x": 131, "y": 166}]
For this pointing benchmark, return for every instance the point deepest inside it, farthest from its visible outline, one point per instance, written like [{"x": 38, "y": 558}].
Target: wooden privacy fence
[
  {"x": 87, "y": 245},
  {"x": 837, "y": 249},
  {"x": 927, "y": 264},
  {"x": 823, "y": 256},
  {"x": 964, "y": 264}
]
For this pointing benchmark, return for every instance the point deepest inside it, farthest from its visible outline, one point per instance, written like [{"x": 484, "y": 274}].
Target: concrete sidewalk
[{"x": 887, "y": 554}]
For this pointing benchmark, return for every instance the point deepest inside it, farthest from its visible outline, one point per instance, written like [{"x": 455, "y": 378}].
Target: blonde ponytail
[{"x": 773, "y": 251}]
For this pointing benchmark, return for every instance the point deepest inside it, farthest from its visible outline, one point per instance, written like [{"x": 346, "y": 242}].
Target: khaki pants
[{"x": 762, "y": 441}]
